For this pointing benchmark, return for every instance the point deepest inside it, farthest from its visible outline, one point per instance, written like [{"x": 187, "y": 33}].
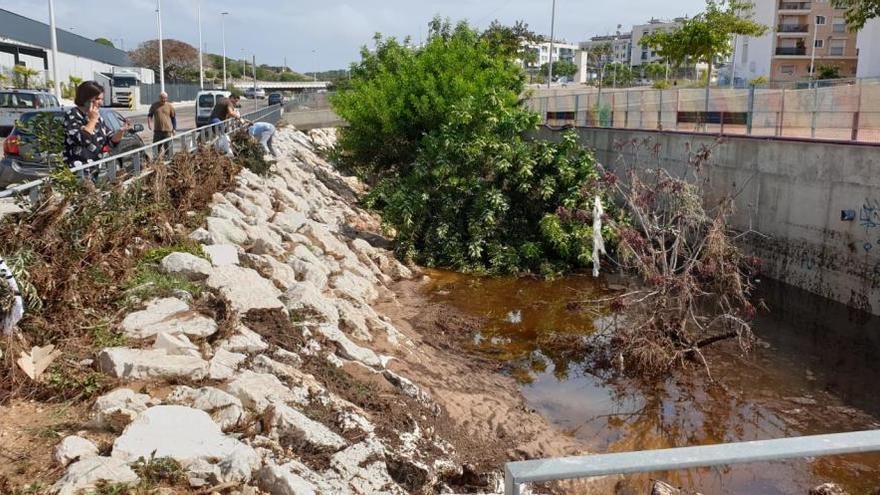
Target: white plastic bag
[
  {"x": 17, "y": 310},
  {"x": 224, "y": 145}
]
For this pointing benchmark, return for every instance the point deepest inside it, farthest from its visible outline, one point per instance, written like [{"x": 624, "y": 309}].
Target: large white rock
[
  {"x": 244, "y": 340},
  {"x": 116, "y": 409},
  {"x": 279, "y": 480},
  {"x": 289, "y": 220},
  {"x": 224, "y": 231},
  {"x": 74, "y": 448},
  {"x": 135, "y": 364},
  {"x": 169, "y": 315},
  {"x": 353, "y": 287},
  {"x": 187, "y": 435},
  {"x": 286, "y": 422},
  {"x": 187, "y": 265},
  {"x": 176, "y": 345},
  {"x": 225, "y": 409},
  {"x": 349, "y": 349},
  {"x": 353, "y": 320},
  {"x": 258, "y": 391},
  {"x": 304, "y": 300},
  {"x": 86, "y": 473},
  {"x": 221, "y": 255},
  {"x": 283, "y": 275},
  {"x": 326, "y": 240},
  {"x": 305, "y": 271},
  {"x": 224, "y": 364},
  {"x": 244, "y": 288},
  {"x": 363, "y": 466}
]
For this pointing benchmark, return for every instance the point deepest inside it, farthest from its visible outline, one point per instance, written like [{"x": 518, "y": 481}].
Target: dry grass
[{"x": 82, "y": 247}]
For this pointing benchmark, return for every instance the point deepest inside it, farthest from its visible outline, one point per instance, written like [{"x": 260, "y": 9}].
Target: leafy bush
[
  {"x": 440, "y": 132},
  {"x": 759, "y": 80}
]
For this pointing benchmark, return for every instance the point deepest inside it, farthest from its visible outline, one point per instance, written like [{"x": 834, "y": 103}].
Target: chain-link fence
[
  {"x": 847, "y": 109},
  {"x": 176, "y": 92}
]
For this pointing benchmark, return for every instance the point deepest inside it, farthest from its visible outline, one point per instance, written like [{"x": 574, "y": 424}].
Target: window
[
  {"x": 839, "y": 25},
  {"x": 837, "y": 47},
  {"x": 820, "y": 20},
  {"x": 820, "y": 44},
  {"x": 745, "y": 51},
  {"x": 787, "y": 69}
]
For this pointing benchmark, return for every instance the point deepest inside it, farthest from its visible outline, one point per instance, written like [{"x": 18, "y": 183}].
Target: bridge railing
[
  {"x": 133, "y": 161},
  {"x": 544, "y": 470}
]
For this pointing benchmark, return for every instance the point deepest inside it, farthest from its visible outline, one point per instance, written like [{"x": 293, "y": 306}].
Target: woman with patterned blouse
[{"x": 87, "y": 138}]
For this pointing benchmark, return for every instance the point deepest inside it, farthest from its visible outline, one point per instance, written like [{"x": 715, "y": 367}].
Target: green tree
[
  {"x": 828, "y": 72},
  {"x": 617, "y": 74},
  {"x": 105, "y": 41},
  {"x": 655, "y": 71},
  {"x": 707, "y": 35},
  {"x": 23, "y": 75},
  {"x": 439, "y": 131},
  {"x": 561, "y": 68},
  {"x": 858, "y": 12},
  {"x": 599, "y": 56}
]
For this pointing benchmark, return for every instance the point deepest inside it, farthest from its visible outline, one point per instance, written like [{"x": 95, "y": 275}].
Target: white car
[
  {"x": 16, "y": 102},
  {"x": 254, "y": 94}
]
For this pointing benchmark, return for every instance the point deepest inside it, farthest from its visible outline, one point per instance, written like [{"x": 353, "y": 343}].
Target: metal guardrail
[
  {"x": 541, "y": 470},
  {"x": 188, "y": 142}
]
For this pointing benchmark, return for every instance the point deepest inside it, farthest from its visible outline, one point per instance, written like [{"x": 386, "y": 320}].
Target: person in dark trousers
[
  {"x": 86, "y": 136},
  {"x": 225, "y": 109},
  {"x": 162, "y": 120}
]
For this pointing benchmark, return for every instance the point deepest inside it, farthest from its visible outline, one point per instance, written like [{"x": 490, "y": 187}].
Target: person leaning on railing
[
  {"x": 86, "y": 136},
  {"x": 225, "y": 109}
]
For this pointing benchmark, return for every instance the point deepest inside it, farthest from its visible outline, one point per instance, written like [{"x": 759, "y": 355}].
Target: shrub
[{"x": 440, "y": 132}]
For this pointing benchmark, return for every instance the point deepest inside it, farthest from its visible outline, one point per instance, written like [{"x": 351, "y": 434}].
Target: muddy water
[{"x": 814, "y": 371}]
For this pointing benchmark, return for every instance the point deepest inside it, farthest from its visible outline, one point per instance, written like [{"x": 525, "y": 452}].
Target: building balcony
[
  {"x": 791, "y": 50},
  {"x": 793, "y": 28},
  {"x": 795, "y": 6}
]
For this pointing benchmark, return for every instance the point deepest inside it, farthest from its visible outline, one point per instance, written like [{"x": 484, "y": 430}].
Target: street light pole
[
  {"x": 201, "y": 66},
  {"x": 813, "y": 48},
  {"x": 161, "y": 56},
  {"x": 315, "y": 66},
  {"x": 552, "y": 34},
  {"x": 54, "y": 37},
  {"x": 223, "y": 34}
]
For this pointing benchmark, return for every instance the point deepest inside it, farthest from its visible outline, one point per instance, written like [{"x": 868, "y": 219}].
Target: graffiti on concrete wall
[{"x": 869, "y": 218}]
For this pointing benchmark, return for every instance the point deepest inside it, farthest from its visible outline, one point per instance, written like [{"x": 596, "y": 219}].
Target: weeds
[
  {"x": 148, "y": 282},
  {"x": 249, "y": 153},
  {"x": 156, "y": 470}
]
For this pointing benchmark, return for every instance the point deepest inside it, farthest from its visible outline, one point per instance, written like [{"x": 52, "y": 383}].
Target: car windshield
[
  {"x": 124, "y": 82},
  {"x": 206, "y": 101},
  {"x": 12, "y": 99}
]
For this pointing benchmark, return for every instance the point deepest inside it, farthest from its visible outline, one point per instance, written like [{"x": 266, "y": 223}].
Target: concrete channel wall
[{"x": 817, "y": 203}]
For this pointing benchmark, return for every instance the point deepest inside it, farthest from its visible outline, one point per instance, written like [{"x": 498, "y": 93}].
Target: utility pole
[
  {"x": 201, "y": 66},
  {"x": 552, "y": 34},
  {"x": 161, "y": 56},
  {"x": 733, "y": 61},
  {"x": 54, "y": 37},
  {"x": 223, "y": 33},
  {"x": 813, "y": 48},
  {"x": 254, "y": 69},
  {"x": 315, "y": 67}
]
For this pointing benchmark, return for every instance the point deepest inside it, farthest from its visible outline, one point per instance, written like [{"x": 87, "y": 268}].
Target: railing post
[
  {"x": 576, "y": 102},
  {"x": 815, "y": 110},
  {"x": 136, "y": 164},
  {"x": 511, "y": 487},
  {"x": 111, "y": 170},
  {"x": 751, "y": 110},
  {"x": 659, "y": 112},
  {"x": 677, "y": 106},
  {"x": 856, "y": 115}
]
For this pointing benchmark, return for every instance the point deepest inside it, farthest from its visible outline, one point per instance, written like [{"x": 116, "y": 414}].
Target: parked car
[
  {"x": 255, "y": 93},
  {"x": 23, "y": 162},
  {"x": 205, "y": 101},
  {"x": 16, "y": 102},
  {"x": 276, "y": 99}
]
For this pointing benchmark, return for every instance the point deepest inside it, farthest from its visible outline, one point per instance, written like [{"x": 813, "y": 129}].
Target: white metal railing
[
  {"x": 541, "y": 470},
  {"x": 188, "y": 141}
]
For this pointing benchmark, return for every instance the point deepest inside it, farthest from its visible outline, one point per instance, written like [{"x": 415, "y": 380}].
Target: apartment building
[
  {"x": 561, "y": 51},
  {"x": 869, "y": 50},
  {"x": 643, "y": 55},
  {"x": 621, "y": 46},
  {"x": 801, "y": 33}
]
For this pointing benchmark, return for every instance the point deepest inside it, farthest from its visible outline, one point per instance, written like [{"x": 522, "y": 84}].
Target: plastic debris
[{"x": 598, "y": 242}]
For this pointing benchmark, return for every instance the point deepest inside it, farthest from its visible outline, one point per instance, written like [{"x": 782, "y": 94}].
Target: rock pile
[{"x": 247, "y": 407}]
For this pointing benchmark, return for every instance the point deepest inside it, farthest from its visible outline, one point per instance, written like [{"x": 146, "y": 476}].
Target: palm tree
[
  {"x": 23, "y": 72},
  {"x": 599, "y": 55}
]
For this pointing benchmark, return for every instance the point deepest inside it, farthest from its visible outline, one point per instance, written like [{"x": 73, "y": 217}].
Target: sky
[{"x": 327, "y": 34}]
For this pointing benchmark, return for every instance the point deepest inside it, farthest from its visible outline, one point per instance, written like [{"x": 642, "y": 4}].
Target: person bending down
[{"x": 263, "y": 132}]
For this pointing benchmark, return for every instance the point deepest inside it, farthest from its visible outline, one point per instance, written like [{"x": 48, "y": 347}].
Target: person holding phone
[{"x": 86, "y": 136}]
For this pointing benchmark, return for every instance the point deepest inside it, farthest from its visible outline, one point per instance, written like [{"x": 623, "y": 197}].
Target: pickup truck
[{"x": 16, "y": 102}]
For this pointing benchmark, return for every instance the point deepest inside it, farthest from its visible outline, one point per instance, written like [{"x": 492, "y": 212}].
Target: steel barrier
[
  {"x": 188, "y": 142},
  {"x": 541, "y": 470}
]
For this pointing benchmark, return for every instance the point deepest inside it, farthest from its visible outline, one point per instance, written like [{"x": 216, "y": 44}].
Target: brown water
[{"x": 814, "y": 371}]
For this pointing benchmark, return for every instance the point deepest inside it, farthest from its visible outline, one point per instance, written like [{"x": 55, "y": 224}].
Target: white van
[{"x": 205, "y": 102}]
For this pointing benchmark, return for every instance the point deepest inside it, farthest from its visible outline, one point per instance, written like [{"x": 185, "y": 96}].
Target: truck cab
[
  {"x": 205, "y": 101},
  {"x": 121, "y": 88}
]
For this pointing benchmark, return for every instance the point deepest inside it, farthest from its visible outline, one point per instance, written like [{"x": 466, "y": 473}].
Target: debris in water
[{"x": 514, "y": 317}]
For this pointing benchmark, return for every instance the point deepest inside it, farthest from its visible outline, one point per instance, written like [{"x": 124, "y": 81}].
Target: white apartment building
[
  {"x": 642, "y": 55},
  {"x": 561, "y": 51},
  {"x": 869, "y": 50},
  {"x": 621, "y": 46}
]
